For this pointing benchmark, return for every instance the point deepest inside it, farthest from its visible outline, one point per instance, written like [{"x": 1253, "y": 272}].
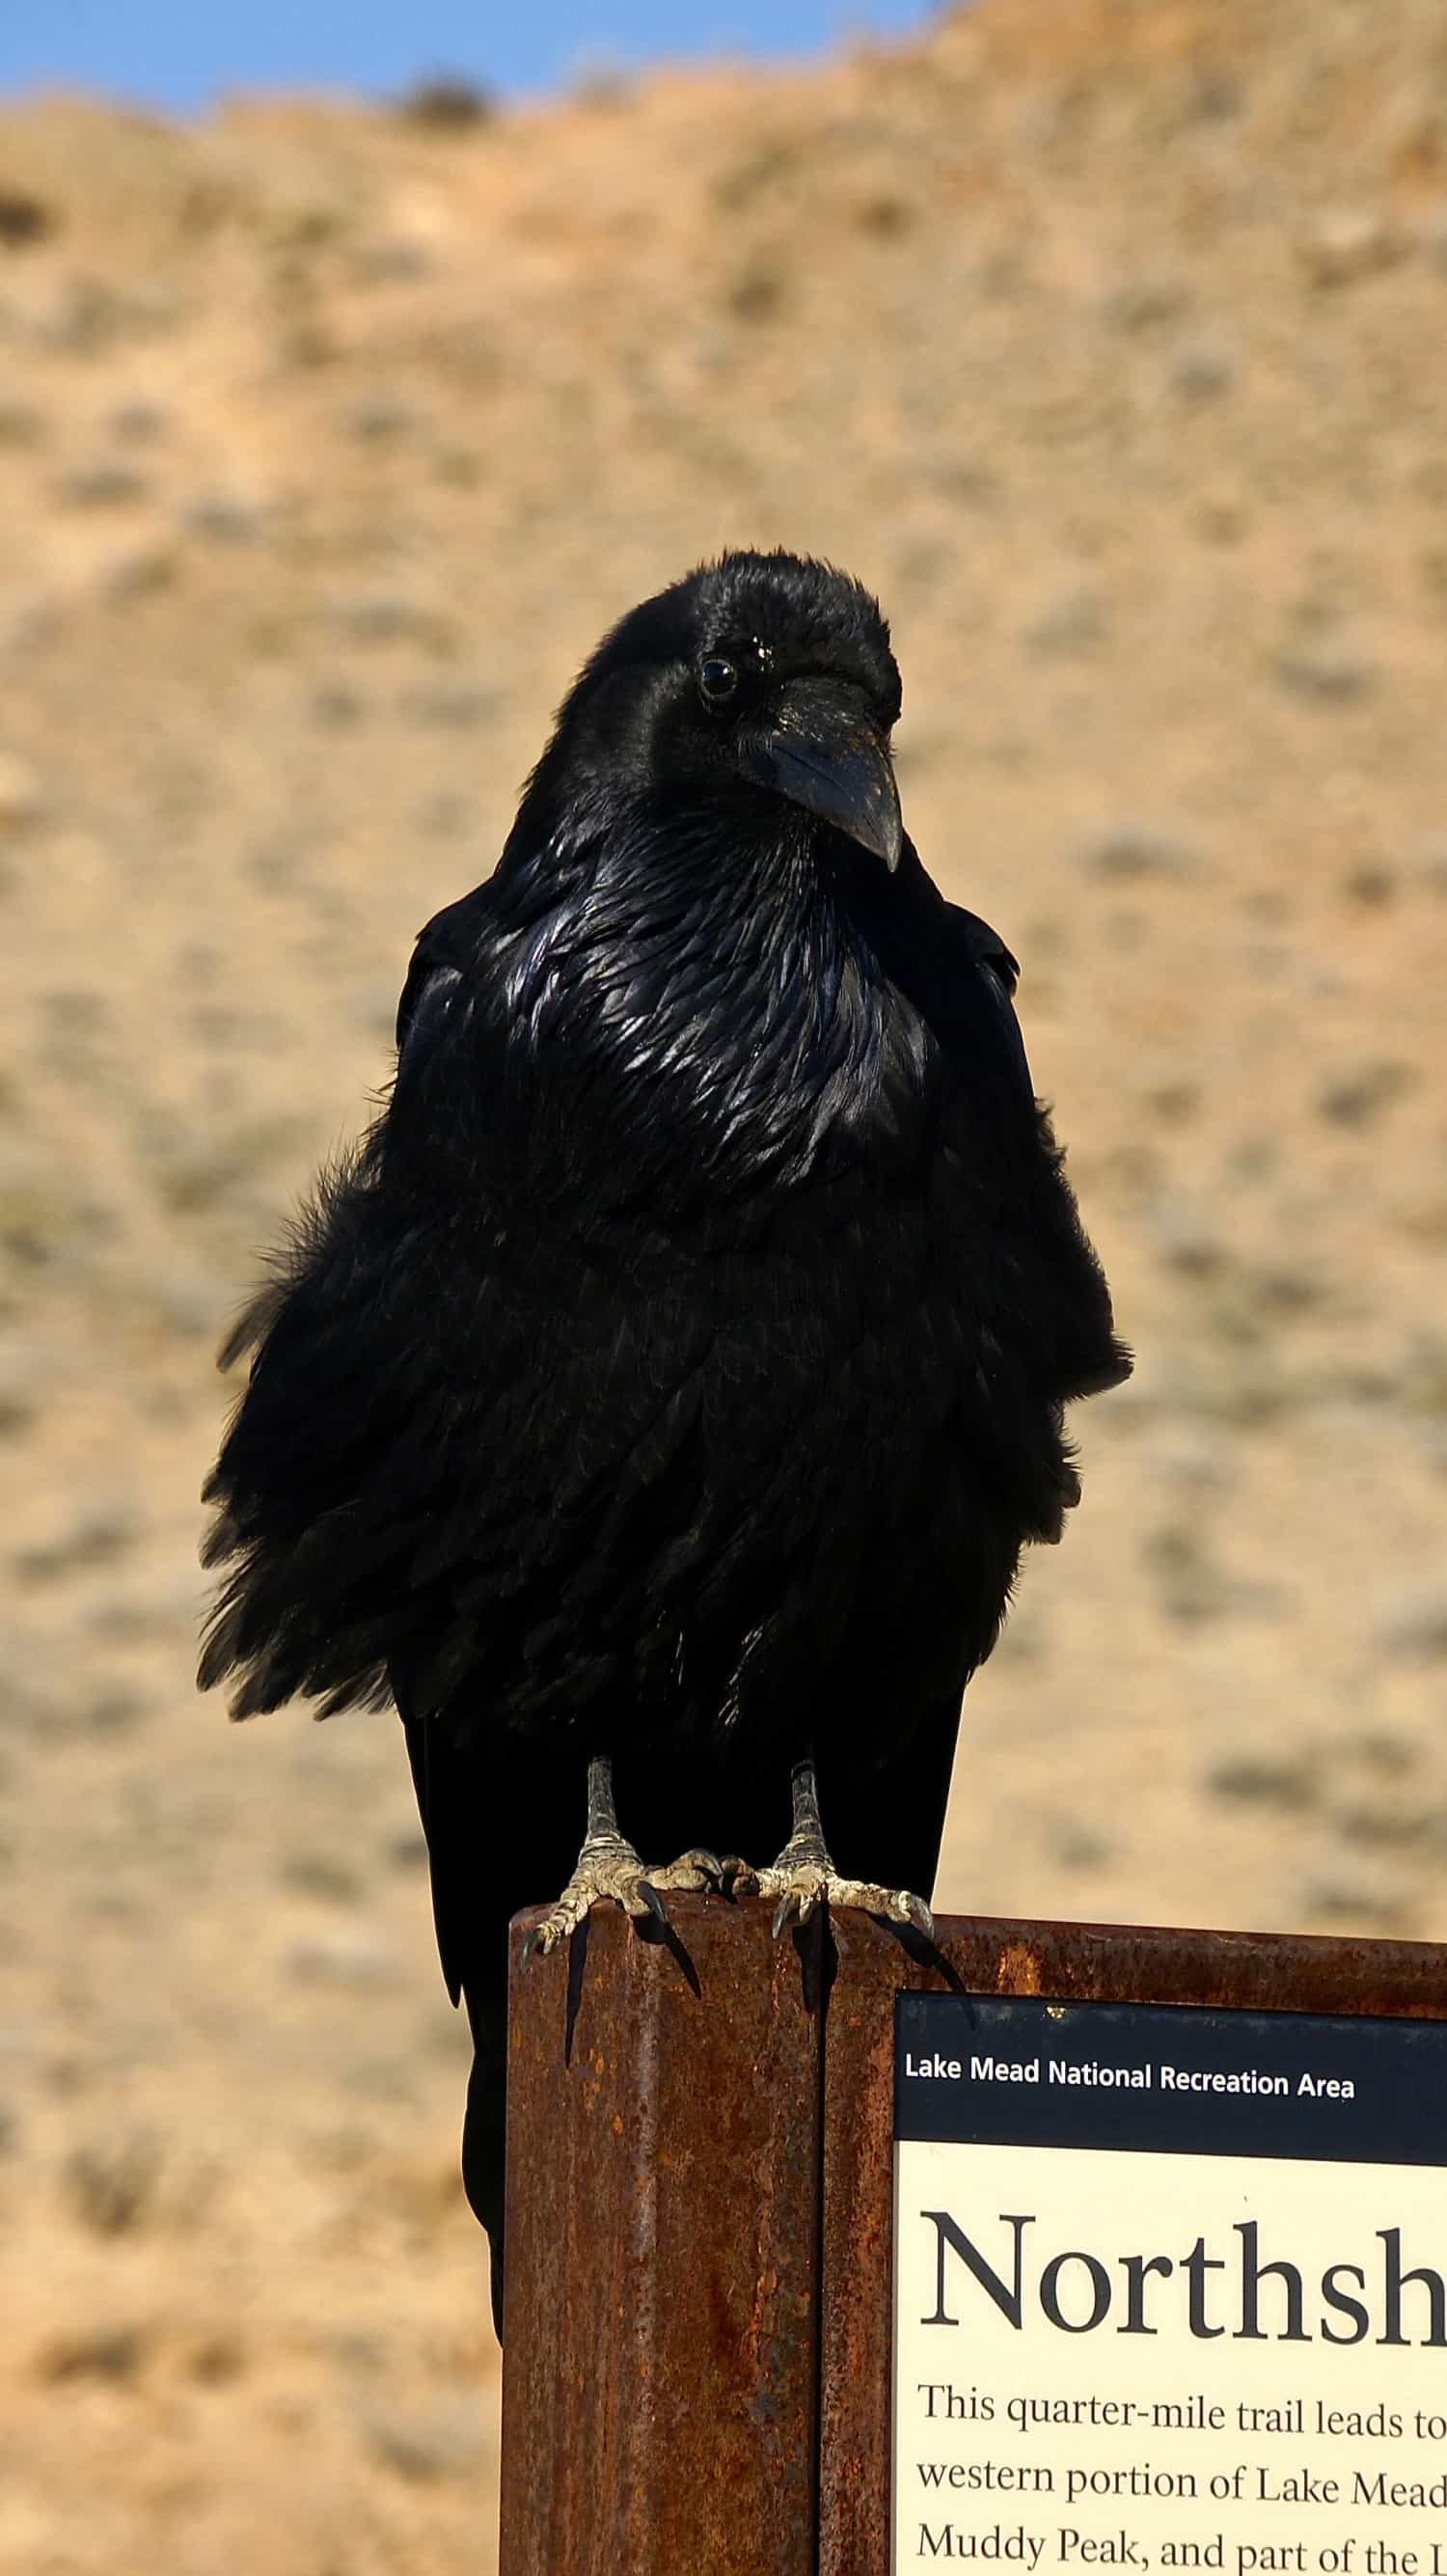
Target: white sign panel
[{"x": 1170, "y": 2290}]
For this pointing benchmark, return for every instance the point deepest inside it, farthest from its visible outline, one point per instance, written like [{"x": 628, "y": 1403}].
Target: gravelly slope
[{"x": 1105, "y": 341}]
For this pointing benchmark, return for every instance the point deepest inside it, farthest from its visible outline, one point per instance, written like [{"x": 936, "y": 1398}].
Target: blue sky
[{"x": 179, "y": 53}]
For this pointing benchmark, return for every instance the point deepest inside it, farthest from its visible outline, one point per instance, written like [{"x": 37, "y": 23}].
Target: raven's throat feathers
[{"x": 721, "y": 999}]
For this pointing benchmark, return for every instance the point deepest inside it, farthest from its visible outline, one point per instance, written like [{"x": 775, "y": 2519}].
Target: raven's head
[{"x": 760, "y": 676}]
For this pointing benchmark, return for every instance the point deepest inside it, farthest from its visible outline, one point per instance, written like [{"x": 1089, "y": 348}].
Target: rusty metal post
[
  {"x": 661, "y": 2363},
  {"x": 700, "y": 2191}
]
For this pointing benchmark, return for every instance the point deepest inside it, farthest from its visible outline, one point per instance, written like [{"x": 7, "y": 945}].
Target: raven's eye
[{"x": 718, "y": 681}]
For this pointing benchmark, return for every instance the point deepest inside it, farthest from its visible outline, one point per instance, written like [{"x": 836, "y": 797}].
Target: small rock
[
  {"x": 1345, "y": 243},
  {"x": 189, "y": 1304},
  {"x": 885, "y": 213},
  {"x": 1221, "y": 519},
  {"x": 336, "y": 705},
  {"x": 1357, "y": 1098},
  {"x": 384, "y": 617},
  {"x": 1076, "y": 1847},
  {"x": 216, "y": 2360},
  {"x": 600, "y": 82},
  {"x": 394, "y": 259},
  {"x": 1432, "y": 868},
  {"x": 757, "y": 291},
  {"x": 1172, "y": 1099},
  {"x": 1422, "y": 1217},
  {"x": 459, "y": 467},
  {"x": 1194, "y": 1460},
  {"x": 446, "y": 816},
  {"x": 21, "y": 425},
  {"x": 224, "y": 517},
  {"x": 1388, "y": 1756},
  {"x": 109, "y": 1713},
  {"x": 1422, "y": 1377},
  {"x": 138, "y": 422},
  {"x": 321, "y": 1874},
  {"x": 1126, "y": 850},
  {"x": 139, "y": 572},
  {"x": 84, "y": 317},
  {"x": 1203, "y": 373},
  {"x": 97, "y": 1535},
  {"x": 26, "y": 622},
  {"x": 1146, "y": 304},
  {"x": 24, "y": 220},
  {"x": 1375, "y": 1905},
  {"x": 113, "y": 2352},
  {"x": 1387, "y": 1824},
  {"x": 1329, "y": 667},
  {"x": 1416, "y": 1632},
  {"x": 21, "y": 799},
  {"x": 1075, "y": 622},
  {"x": 377, "y": 418},
  {"x": 441, "y": 2440},
  {"x": 1371, "y": 885},
  {"x": 450, "y": 703},
  {"x": 1258, "y": 1779},
  {"x": 19, "y": 1398},
  {"x": 447, "y": 104},
  {"x": 341, "y": 1955},
  {"x": 1191, "y": 1587},
  {"x": 111, "y": 2183},
  {"x": 106, "y": 483},
  {"x": 1214, "y": 95}
]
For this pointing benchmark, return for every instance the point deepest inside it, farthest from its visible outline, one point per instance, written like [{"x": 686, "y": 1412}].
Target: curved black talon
[{"x": 736, "y": 1878}]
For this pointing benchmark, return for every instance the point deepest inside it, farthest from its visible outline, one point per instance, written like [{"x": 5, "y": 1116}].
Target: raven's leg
[
  {"x": 804, "y": 1876},
  {"x": 610, "y": 1871}
]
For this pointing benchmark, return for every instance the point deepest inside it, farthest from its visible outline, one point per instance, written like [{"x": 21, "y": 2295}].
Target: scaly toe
[
  {"x": 802, "y": 1887},
  {"x": 693, "y": 1873},
  {"x": 606, "y": 1875},
  {"x": 890, "y": 1904}
]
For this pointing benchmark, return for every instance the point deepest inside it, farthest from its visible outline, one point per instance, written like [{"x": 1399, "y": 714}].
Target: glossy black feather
[{"x": 677, "y": 1369}]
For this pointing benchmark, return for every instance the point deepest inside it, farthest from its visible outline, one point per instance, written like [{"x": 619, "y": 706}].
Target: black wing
[
  {"x": 1075, "y": 1344},
  {"x": 332, "y": 1458},
  {"x": 443, "y": 963},
  {"x": 975, "y": 949},
  {"x": 470, "y": 1431}
]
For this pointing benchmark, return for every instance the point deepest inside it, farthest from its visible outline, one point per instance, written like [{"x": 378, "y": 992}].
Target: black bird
[{"x": 659, "y": 1399}]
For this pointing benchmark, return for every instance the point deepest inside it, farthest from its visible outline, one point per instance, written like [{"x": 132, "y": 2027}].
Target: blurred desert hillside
[{"x": 1107, "y": 342}]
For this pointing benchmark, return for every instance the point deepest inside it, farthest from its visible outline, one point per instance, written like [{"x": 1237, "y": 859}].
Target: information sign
[{"x": 1170, "y": 2290}]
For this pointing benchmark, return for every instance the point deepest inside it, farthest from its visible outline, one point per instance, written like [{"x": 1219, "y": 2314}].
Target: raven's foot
[
  {"x": 609, "y": 1872},
  {"x": 698, "y": 1871},
  {"x": 803, "y": 1882},
  {"x": 804, "y": 1878}
]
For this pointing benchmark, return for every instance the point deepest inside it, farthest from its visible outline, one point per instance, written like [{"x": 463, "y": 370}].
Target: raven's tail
[{"x": 485, "y": 2126}]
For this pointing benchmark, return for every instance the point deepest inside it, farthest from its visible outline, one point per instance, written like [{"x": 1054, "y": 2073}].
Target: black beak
[{"x": 825, "y": 752}]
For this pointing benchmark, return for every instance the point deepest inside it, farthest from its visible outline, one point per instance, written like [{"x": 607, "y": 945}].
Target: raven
[{"x": 658, "y": 1400}]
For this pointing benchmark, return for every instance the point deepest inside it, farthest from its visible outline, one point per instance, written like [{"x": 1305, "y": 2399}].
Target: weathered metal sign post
[{"x": 972, "y": 2258}]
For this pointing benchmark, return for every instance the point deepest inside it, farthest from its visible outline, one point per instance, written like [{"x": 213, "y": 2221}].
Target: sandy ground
[{"x": 1105, "y": 340}]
